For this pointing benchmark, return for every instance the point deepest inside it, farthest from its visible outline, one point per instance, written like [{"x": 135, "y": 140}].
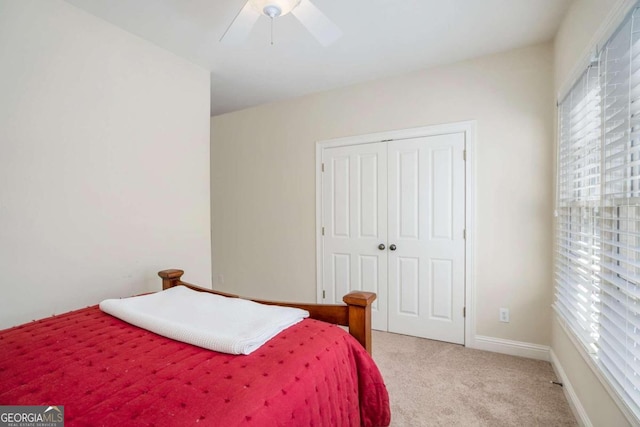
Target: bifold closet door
[
  {"x": 426, "y": 211},
  {"x": 354, "y": 212},
  {"x": 393, "y": 218}
]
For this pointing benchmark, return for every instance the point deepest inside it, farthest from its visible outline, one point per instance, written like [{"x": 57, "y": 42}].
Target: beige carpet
[{"x": 432, "y": 383}]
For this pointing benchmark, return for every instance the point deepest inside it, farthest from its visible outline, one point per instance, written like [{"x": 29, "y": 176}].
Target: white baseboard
[
  {"x": 513, "y": 348},
  {"x": 574, "y": 403}
]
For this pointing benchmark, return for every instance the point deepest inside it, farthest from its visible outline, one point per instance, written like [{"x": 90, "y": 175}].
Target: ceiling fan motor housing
[
  {"x": 274, "y": 8},
  {"x": 272, "y": 11},
  {"x": 316, "y": 22}
]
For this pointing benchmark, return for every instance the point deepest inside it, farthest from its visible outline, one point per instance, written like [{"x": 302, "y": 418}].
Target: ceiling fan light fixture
[
  {"x": 272, "y": 11},
  {"x": 274, "y": 8},
  {"x": 316, "y": 22}
]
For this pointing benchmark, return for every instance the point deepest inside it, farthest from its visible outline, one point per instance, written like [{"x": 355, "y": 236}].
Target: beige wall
[
  {"x": 263, "y": 180},
  {"x": 585, "y": 21},
  {"x": 104, "y": 162}
]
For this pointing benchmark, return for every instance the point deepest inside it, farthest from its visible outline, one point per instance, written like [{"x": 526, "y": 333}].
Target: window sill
[{"x": 592, "y": 363}]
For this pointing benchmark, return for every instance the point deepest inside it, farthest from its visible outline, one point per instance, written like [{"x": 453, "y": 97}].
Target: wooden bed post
[
  {"x": 360, "y": 316},
  {"x": 170, "y": 278}
]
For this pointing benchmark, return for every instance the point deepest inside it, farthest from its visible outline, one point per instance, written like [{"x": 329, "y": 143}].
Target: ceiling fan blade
[
  {"x": 241, "y": 25},
  {"x": 317, "y": 23}
]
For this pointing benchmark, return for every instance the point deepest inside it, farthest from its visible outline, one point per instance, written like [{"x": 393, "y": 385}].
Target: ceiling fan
[{"x": 321, "y": 27}]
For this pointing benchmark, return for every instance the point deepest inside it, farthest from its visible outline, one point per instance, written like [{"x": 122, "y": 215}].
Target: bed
[{"x": 108, "y": 372}]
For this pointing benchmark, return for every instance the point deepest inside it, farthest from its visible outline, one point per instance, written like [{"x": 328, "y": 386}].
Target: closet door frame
[{"x": 469, "y": 130}]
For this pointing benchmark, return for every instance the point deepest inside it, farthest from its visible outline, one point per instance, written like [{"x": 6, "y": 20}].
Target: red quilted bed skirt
[{"x": 108, "y": 372}]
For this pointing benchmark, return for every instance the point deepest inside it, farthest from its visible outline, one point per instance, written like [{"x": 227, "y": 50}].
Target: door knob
[
  {"x": 381, "y": 246},
  {"x": 392, "y": 247}
]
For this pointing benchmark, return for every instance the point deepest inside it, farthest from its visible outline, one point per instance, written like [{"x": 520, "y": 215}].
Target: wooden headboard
[{"x": 356, "y": 314}]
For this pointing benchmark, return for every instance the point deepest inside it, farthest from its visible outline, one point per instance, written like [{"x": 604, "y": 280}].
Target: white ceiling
[{"x": 381, "y": 38}]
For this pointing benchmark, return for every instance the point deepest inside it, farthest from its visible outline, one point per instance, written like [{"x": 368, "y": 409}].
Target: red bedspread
[{"x": 107, "y": 372}]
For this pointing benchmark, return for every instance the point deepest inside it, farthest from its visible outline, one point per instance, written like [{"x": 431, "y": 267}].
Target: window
[
  {"x": 578, "y": 240},
  {"x": 597, "y": 256}
]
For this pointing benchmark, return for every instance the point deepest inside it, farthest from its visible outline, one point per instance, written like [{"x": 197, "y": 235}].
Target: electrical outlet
[{"x": 504, "y": 315}]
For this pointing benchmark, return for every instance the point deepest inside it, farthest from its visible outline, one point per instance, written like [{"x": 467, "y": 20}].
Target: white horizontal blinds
[
  {"x": 577, "y": 238},
  {"x": 618, "y": 345}
]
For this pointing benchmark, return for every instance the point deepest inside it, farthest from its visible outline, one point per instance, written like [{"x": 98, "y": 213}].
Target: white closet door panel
[
  {"x": 354, "y": 217},
  {"x": 340, "y": 205},
  {"x": 341, "y": 269},
  {"x": 370, "y": 276},
  {"x": 426, "y": 223},
  {"x": 441, "y": 289},
  {"x": 441, "y": 204},
  {"x": 408, "y": 197},
  {"x": 408, "y": 280},
  {"x": 368, "y": 195}
]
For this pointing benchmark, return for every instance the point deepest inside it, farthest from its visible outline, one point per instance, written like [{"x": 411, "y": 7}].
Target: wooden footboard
[{"x": 356, "y": 314}]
